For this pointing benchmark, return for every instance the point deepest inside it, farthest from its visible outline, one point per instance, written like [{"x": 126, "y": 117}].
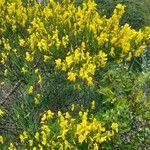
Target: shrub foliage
[{"x": 54, "y": 55}]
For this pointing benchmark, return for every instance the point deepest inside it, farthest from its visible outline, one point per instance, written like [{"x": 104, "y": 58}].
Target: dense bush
[
  {"x": 128, "y": 94},
  {"x": 136, "y": 14},
  {"x": 136, "y": 11},
  {"x": 54, "y": 55}
]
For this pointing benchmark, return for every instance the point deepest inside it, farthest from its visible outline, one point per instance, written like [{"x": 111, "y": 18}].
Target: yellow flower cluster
[
  {"x": 11, "y": 147},
  {"x": 23, "y": 136},
  {"x": 146, "y": 32},
  {"x": 76, "y": 38},
  {"x": 81, "y": 58},
  {"x": 63, "y": 131}
]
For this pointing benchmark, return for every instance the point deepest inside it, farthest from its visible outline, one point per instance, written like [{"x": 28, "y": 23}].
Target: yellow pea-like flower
[
  {"x": 46, "y": 58},
  {"x": 114, "y": 126},
  {"x": 30, "y": 89},
  {"x": 24, "y": 70},
  {"x": 72, "y": 76},
  {"x": 21, "y": 42},
  {"x": 28, "y": 57}
]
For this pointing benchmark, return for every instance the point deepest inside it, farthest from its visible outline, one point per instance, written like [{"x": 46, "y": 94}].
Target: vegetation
[
  {"x": 69, "y": 77},
  {"x": 136, "y": 11}
]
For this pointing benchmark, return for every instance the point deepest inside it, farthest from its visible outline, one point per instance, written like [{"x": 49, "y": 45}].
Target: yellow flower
[
  {"x": 36, "y": 71},
  {"x": 65, "y": 41},
  {"x": 120, "y": 6},
  {"x": 89, "y": 81},
  {"x": 24, "y": 70},
  {"x": 30, "y": 89},
  {"x": 102, "y": 139},
  {"x": 40, "y": 147},
  {"x": 112, "y": 54},
  {"x": 1, "y": 113},
  {"x": 99, "y": 138},
  {"x": 67, "y": 115},
  {"x": 40, "y": 79},
  {"x": 129, "y": 56},
  {"x": 34, "y": 148},
  {"x": 45, "y": 128},
  {"x": 102, "y": 58},
  {"x": 77, "y": 56},
  {"x": 7, "y": 46},
  {"x": 110, "y": 134},
  {"x": 91, "y": 68},
  {"x": 1, "y": 140},
  {"x": 95, "y": 146},
  {"x": 42, "y": 45},
  {"x": 23, "y": 136},
  {"x": 93, "y": 105},
  {"x": 11, "y": 147},
  {"x": 5, "y": 72},
  {"x": 139, "y": 51},
  {"x": 58, "y": 63},
  {"x": 80, "y": 113},
  {"x": 37, "y": 99},
  {"x": 72, "y": 107},
  {"x": 114, "y": 126},
  {"x": 59, "y": 113},
  {"x": 30, "y": 142},
  {"x": 37, "y": 136},
  {"x": 28, "y": 57},
  {"x": 46, "y": 58},
  {"x": 44, "y": 139},
  {"x": 44, "y": 117},
  {"x": 72, "y": 76},
  {"x": 49, "y": 114},
  {"x": 21, "y": 42},
  {"x": 81, "y": 138},
  {"x": 69, "y": 61}
]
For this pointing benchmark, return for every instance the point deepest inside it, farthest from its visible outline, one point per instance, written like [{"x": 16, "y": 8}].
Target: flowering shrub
[
  {"x": 64, "y": 35},
  {"x": 69, "y": 132},
  {"x": 57, "y": 51},
  {"x": 127, "y": 100},
  {"x": 136, "y": 13}
]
